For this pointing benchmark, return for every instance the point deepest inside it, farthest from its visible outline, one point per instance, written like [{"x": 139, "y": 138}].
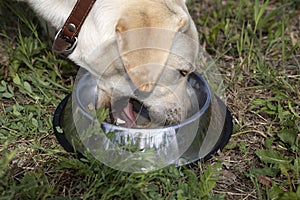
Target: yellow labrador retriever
[{"x": 141, "y": 51}]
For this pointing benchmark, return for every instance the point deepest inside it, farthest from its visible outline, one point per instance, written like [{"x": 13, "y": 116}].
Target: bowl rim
[{"x": 185, "y": 122}]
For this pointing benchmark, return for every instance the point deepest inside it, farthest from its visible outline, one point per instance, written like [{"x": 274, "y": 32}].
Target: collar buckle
[{"x": 63, "y": 45}]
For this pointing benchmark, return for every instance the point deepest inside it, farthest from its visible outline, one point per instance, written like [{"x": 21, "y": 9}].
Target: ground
[{"x": 255, "y": 45}]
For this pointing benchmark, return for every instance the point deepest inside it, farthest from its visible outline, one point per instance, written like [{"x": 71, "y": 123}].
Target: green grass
[{"x": 255, "y": 43}]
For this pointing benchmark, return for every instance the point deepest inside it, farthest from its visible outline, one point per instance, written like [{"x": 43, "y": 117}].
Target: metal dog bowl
[{"x": 142, "y": 149}]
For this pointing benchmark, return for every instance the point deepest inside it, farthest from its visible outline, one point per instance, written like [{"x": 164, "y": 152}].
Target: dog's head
[
  {"x": 157, "y": 44},
  {"x": 143, "y": 51}
]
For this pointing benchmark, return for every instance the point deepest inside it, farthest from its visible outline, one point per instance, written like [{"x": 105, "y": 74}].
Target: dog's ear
[
  {"x": 144, "y": 53},
  {"x": 145, "y": 38}
]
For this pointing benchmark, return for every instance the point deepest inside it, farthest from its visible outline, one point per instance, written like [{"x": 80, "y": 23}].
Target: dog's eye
[{"x": 183, "y": 72}]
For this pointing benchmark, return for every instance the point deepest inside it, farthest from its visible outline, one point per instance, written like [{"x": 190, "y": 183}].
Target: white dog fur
[{"x": 105, "y": 49}]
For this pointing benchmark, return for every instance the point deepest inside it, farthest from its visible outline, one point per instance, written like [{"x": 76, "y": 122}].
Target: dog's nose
[{"x": 173, "y": 115}]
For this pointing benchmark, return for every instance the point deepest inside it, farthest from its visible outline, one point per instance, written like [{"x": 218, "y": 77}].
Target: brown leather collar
[{"x": 66, "y": 39}]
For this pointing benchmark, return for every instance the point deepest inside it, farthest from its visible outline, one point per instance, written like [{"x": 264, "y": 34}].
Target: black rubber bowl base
[{"x": 58, "y": 131}]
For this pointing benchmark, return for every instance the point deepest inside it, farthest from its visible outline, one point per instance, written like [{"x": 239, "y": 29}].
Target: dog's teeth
[{"x": 120, "y": 121}]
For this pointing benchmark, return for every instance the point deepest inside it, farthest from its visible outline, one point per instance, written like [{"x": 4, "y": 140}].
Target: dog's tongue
[{"x": 126, "y": 117}]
